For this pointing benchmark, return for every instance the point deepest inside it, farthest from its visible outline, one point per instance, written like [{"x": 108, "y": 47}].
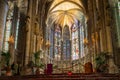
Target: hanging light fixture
[
  {"x": 41, "y": 40},
  {"x": 93, "y": 38},
  {"x": 11, "y": 39},
  {"x": 47, "y": 44},
  {"x": 85, "y": 41}
]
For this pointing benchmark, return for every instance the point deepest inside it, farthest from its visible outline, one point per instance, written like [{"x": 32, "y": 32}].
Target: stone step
[{"x": 80, "y": 76}]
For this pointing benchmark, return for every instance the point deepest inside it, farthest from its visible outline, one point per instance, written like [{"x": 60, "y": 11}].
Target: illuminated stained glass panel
[
  {"x": 75, "y": 43},
  {"x": 66, "y": 13},
  {"x": 7, "y": 35},
  {"x": 66, "y": 43},
  {"x": 51, "y": 41},
  {"x": 57, "y": 44},
  {"x": 16, "y": 37},
  {"x": 66, "y": 50},
  {"x": 82, "y": 54}
]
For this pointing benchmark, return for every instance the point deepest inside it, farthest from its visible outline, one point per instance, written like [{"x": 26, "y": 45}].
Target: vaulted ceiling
[{"x": 66, "y": 12}]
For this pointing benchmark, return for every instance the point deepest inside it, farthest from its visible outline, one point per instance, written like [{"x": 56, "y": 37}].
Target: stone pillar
[
  {"x": 27, "y": 42},
  {"x": 13, "y": 32},
  {"x": 112, "y": 67},
  {"x": 3, "y": 14},
  {"x": 29, "y": 25},
  {"x": 109, "y": 40},
  {"x": 32, "y": 27},
  {"x": 101, "y": 41}
]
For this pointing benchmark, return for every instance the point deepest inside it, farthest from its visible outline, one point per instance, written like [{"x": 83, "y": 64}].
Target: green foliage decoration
[
  {"x": 101, "y": 62},
  {"x": 7, "y": 57}
]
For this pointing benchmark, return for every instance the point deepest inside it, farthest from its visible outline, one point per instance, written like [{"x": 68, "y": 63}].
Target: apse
[{"x": 64, "y": 22}]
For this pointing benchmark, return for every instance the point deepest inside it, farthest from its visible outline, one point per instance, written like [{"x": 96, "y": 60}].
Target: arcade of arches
[{"x": 65, "y": 33}]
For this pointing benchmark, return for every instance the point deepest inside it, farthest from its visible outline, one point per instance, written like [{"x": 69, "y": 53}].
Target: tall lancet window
[
  {"x": 57, "y": 45},
  {"x": 82, "y": 54},
  {"x": 75, "y": 42},
  {"x": 52, "y": 41},
  {"x": 66, "y": 43},
  {"x": 7, "y": 34},
  {"x": 16, "y": 37}
]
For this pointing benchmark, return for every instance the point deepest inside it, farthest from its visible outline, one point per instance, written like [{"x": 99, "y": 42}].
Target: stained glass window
[
  {"x": 66, "y": 43},
  {"x": 75, "y": 42},
  {"x": 57, "y": 42},
  {"x": 7, "y": 34},
  {"x": 66, "y": 49},
  {"x": 81, "y": 41},
  {"x": 16, "y": 37},
  {"x": 52, "y": 41},
  {"x": 66, "y": 13}
]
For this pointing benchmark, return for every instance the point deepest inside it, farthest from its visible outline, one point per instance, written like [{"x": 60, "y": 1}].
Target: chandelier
[
  {"x": 47, "y": 44},
  {"x": 11, "y": 39}
]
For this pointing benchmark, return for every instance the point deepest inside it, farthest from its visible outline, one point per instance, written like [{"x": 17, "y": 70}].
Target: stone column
[
  {"x": 29, "y": 39},
  {"x": 3, "y": 14},
  {"x": 109, "y": 40},
  {"x": 27, "y": 42},
  {"x": 112, "y": 67}
]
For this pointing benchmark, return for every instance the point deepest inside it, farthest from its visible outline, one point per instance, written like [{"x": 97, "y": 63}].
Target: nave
[{"x": 40, "y": 37}]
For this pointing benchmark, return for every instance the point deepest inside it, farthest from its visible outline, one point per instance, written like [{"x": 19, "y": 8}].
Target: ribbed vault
[{"x": 65, "y": 12}]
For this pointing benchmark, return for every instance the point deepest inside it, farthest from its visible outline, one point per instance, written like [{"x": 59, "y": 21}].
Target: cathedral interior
[{"x": 68, "y": 35}]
